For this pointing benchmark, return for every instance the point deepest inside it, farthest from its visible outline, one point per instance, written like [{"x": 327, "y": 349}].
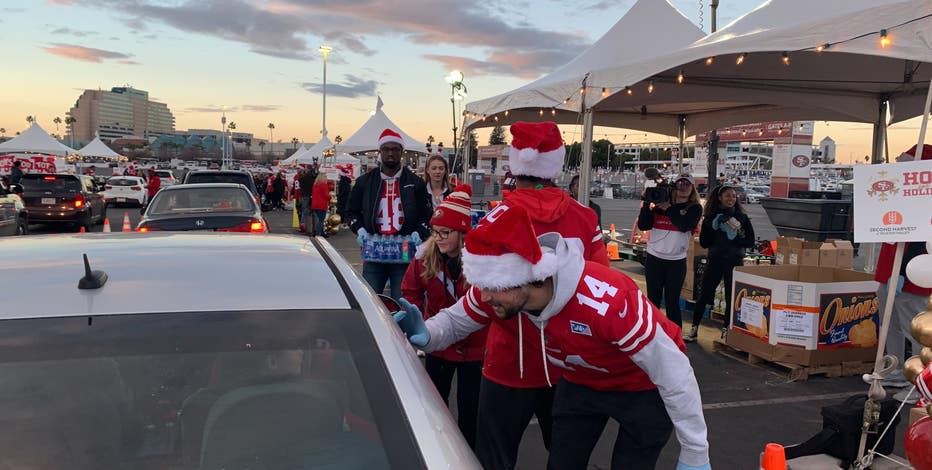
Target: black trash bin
[
  {"x": 810, "y": 219},
  {"x": 477, "y": 181}
]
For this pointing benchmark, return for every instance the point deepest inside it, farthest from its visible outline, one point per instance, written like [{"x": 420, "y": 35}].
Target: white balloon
[{"x": 919, "y": 271}]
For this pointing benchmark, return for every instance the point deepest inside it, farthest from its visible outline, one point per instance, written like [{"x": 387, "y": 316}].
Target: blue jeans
[
  {"x": 319, "y": 216},
  {"x": 377, "y": 274}
]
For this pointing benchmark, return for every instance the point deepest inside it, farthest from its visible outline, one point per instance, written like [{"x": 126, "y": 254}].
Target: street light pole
[
  {"x": 457, "y": 92},
  {"x": 325, "y": 50},
  {"x": 223, "y": 137}
]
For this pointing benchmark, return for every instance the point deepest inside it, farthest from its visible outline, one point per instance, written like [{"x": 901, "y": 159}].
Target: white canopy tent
[
  {"x": 306, "y": 156},
  {"x": 36, "y": 140},
  {"x": 96, "y": 148},
  {"x": 367, "y": 137},
  {"x": 294, "y": 157}
]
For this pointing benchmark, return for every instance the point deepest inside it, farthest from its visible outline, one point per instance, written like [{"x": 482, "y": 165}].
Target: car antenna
[{"x": 91, "y": 279}]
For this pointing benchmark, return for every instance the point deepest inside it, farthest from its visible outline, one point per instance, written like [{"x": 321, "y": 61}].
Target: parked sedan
[
  {"x": 125, "y": 190},
  {"x": 144, "y": 365},
  {"x": 14, "y": 220},
  {"x": 220, "y": 207},
  {"x": 55, "y": 198}
]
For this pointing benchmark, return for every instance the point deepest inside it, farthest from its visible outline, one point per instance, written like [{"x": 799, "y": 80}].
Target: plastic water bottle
[
  {"x": 376, "y": 247},
  {"x": 367, "y": 248},
  {"x": 405, "y": 255}
]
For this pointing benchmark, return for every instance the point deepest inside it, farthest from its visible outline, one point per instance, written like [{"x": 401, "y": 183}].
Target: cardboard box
[
  {"x": 783, "y": 251},
  {"x": 695, "y": 253},
  {"x": 828, "y": 255},
  {"x": 845, "y": 257},
  {"x": 915, "y": 414},
  {"x": 807, "y": 315},
  {"x": 802, "y": 252}
]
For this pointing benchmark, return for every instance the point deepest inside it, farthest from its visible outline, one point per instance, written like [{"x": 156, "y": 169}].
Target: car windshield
[
  {"x": 235, "y": 390},
  {"x": 122, "y": 182},
  {"x": 164, "y": 174},
  {"x": 200, "y": 200},
  {"x": 218, "y": 178},
  {"x": 50, "y": 183}
]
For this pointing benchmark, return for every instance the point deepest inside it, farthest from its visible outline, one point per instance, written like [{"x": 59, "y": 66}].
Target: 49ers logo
[
  {"x": 800, "y": 161},
  {"x": 883, "y": 187}
]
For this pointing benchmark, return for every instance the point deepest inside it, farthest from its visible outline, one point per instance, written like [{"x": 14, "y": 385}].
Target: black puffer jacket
[
  {"x": 721, "y": 248},
  {"x": 415, "y": 202}
]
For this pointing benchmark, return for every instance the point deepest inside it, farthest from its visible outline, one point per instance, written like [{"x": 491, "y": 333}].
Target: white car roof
[{"x": 165, "y": 272}]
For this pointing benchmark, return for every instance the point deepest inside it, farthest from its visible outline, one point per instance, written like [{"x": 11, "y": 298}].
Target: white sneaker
[
  {"x": 909, "y": 396},
  {"x": 692, "y": 335},
  {"x": 724, "y": 332}
]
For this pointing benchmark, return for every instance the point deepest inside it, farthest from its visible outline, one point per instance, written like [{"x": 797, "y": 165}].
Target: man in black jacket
[{"x": 389, "y": 200}]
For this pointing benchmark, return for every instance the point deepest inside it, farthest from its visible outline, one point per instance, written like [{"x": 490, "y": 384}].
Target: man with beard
[
  {"x": 389, "y": 200},
  {"x": 620, "y": 357}
]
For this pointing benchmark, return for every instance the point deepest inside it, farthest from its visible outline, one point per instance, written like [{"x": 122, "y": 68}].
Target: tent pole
[
  {"x": 585, "y": 162},
  {"x": 682, "y": 136},
  {"x": 878, "y": 136}
]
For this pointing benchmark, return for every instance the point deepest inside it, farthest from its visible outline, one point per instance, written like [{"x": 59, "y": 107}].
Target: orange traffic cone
[
  {"x": 612, "y": 250},
  {"x": 774, "y": 458},
  {"x": 82, "y": 230},
  {"x": 126, "y": 225},
  {"x": 107, "y": 225}
]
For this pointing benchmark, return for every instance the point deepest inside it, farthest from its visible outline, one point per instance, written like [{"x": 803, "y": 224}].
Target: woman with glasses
[
  {"x": 672, "y": 224},
  {"x": 435, "y": 281},
  {"x": 437, "y": 178}
]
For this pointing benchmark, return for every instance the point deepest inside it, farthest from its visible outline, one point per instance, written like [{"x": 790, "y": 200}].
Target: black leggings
[
  {"x": 715, "y": 271},
  {"x": 665, "y": 281}
]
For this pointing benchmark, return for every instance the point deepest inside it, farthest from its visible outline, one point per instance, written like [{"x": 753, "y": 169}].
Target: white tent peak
[
  {"x": 96, "y": 148},
  {"x": 367, "y": 137},
  {"x": 36, "y": 140}
]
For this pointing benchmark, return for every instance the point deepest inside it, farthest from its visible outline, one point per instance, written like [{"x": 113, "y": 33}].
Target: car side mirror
[
  {"x": 391, "y": 304},
  {"x": 16, "y": 188}
]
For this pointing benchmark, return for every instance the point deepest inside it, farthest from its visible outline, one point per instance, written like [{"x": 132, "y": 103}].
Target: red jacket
[
  {"x": 432, "y": 295},
  {"x": 885, "y": 266},
  {"x": 551, "y": 210},
  {"x": 153, "y": 185},
  {"x": 320, "y": 196}
]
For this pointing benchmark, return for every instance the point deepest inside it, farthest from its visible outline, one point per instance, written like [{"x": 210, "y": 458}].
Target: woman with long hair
[
  {"x": 727, "y": 232},
  {"x": 435, "y": 281},
  {"x": 320, "y": 202},
  {"x": 437, "y": 177},
  {"x": 671, "y": 223}
]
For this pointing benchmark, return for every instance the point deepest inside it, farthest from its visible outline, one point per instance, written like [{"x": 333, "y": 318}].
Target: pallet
[{"x": 793, "y": 372}]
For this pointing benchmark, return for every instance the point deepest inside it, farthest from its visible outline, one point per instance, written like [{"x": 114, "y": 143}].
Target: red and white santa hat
[
  {"x": 389, "y": 135},
  {"x": 536, "y": 149},
  {"x": 503, "y": 252},
  {"x": 924, "y": 383},
  {"x": 454, "y": 212}
]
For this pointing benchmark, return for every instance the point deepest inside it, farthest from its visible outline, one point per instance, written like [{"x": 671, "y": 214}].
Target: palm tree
[
  {"x": 430, "y": 143},
  {"x": 57, "y": 121},
  {"x": 30, "y": 119},
  {"x": 70, "y": 120},
  {"x": 294, "y": 141},
  {"x": 2, "y": 132},
  {"x": 249, "y": 148},
  {"x": 271, "y": 126}
]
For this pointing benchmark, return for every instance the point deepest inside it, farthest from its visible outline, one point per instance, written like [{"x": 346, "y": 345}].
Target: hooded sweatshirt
[
  {"x": 551, "y": 210},
  {"x": 600, "y": 330}
]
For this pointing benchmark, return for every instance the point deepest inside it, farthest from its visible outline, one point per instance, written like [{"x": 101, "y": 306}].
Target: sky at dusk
[{"x": 260, "y": 59}]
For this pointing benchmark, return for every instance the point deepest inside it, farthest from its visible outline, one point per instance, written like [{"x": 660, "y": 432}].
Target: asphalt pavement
[{"x": 746, "y": 406}]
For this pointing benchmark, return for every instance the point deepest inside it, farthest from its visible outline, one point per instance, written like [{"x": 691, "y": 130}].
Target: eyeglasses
[
  {"x": 441, "y": 235},
  {"x": 683, "y": 184}
]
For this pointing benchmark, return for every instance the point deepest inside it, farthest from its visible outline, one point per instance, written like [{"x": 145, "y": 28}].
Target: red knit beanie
[{"x": 454, "y": 211}]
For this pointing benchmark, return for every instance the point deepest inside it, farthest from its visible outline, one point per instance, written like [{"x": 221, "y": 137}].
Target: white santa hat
[
  {"x": 389, "y": 135},
  {"x": 536, "y": 149},
  {"x": 503, "y": 252}
]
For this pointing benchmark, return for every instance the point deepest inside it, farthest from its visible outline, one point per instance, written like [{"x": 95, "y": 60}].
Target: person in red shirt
[
  {"x": 434, "y": 280},
  {"x": 320, "y": 202},
  {"x": 153, "y": 184},
  {"x": 620, "y": 357}
]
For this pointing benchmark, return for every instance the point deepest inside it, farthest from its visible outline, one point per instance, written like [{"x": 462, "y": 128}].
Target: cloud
[
  {"x": 128, "y": 62},
  {"x": 261, "y": 108},
  {"x": 292, "y": 29},
  {"x": 73, "y": 32},
  {"x": 84, "y": 54},
  {"x": 207, "y": 109},
  {"x": 353, "y": 88},
  {"x": 254, "y": 108}
]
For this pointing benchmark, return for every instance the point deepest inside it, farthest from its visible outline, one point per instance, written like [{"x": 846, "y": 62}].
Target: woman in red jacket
[
  {"x": 320, "y": 202},
  {"x": 435, "y": 281}
]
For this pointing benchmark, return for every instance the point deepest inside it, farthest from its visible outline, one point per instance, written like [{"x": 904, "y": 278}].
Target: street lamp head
[
  {"x": 325, "y": 49},
  {"x": 455, "y": 77}
]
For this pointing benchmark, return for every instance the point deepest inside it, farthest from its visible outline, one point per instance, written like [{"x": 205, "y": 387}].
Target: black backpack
[{"x": 841, "y": 431}]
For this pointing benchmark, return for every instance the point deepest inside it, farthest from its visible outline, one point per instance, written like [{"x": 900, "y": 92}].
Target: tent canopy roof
[
  {"x": 367, "y": 137},
  {"x": 96, "y": 148},
  {"x": 36, "y": 140}
]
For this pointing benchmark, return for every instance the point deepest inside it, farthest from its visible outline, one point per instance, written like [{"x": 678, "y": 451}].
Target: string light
[
  {"x": 496, "y": 118},
  {"x": 567, "y": 100},
  {"x": 680, "y": 77},
  {"x": 823, "y": 47},
  {"x": 884, "y": 40},
  {"x": 553, "y": 111},
  {"x": 541, "y": 111},
  {"x": 709, "y": 60},
  {"x": 740, "y": 60},
  {"x": 604, "y": 92},
  {"x": 785, "y": 58},
  {"x": 582, "y": 91},
  {"x": 650, "y": 86},
  {"x": 506, "y": 113},
  {"x": 629, "y": 91}
]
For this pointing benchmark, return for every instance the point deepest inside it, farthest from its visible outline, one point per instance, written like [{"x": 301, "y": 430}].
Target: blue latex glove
[
  {"x": 717, "y": 221},
  {"x": 415, "y": 238},
  {"x": 683, "y": 466},
  {"x": 361, "y": 236},
  {"x": 412, "y": 324},
  {"x": 899, "y": 284}
]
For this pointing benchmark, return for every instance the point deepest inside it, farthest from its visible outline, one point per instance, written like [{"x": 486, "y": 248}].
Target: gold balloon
[
  {"x": 926, "y": 356},
  {"x": 335, "y": 219},
  {"x": 921, "y": 328},
  {"x": 912, "y": 368}
]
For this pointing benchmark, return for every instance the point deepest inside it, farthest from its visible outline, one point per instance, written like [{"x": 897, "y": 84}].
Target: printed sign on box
[
  {"x": 891, "y": 202},
  {"x": 850, "y": 319},
  {"x": 751, "y": 309}
]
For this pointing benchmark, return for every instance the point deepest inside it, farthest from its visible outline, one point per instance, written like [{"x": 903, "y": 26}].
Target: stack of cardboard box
[
  {"x": 695, "y": 257},
  {"x": 830, "y": 253}
]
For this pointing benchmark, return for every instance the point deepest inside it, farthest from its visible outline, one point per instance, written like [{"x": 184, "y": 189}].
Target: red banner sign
[{"x": 30, "y": 164}]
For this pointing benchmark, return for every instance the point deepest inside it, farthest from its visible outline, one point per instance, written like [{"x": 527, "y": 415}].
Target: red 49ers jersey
[
  {"x": 607, "y": 320},
  {"x": 390, "y": 215}
]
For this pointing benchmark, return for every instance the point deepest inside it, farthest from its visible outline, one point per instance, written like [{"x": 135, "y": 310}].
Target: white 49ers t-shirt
[{"x": 390, "y": 215}]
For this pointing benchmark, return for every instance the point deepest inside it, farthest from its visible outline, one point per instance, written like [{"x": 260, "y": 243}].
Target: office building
[{"x": 118, "y": 113}]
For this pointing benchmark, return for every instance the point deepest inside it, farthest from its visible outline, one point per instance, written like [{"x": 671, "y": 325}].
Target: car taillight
[
  {"x": 48, "y": 178},
  {"x": 136, "y": 188},
  {"x": 145, "y": 229},
  {"x": 107, "y": 186},
  {"x": 78, "y": 201},
  {"x": 251, "y": 227}
]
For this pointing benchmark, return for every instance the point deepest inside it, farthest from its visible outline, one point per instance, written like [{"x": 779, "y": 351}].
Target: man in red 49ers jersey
[{"x": 620, "y": 357}]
